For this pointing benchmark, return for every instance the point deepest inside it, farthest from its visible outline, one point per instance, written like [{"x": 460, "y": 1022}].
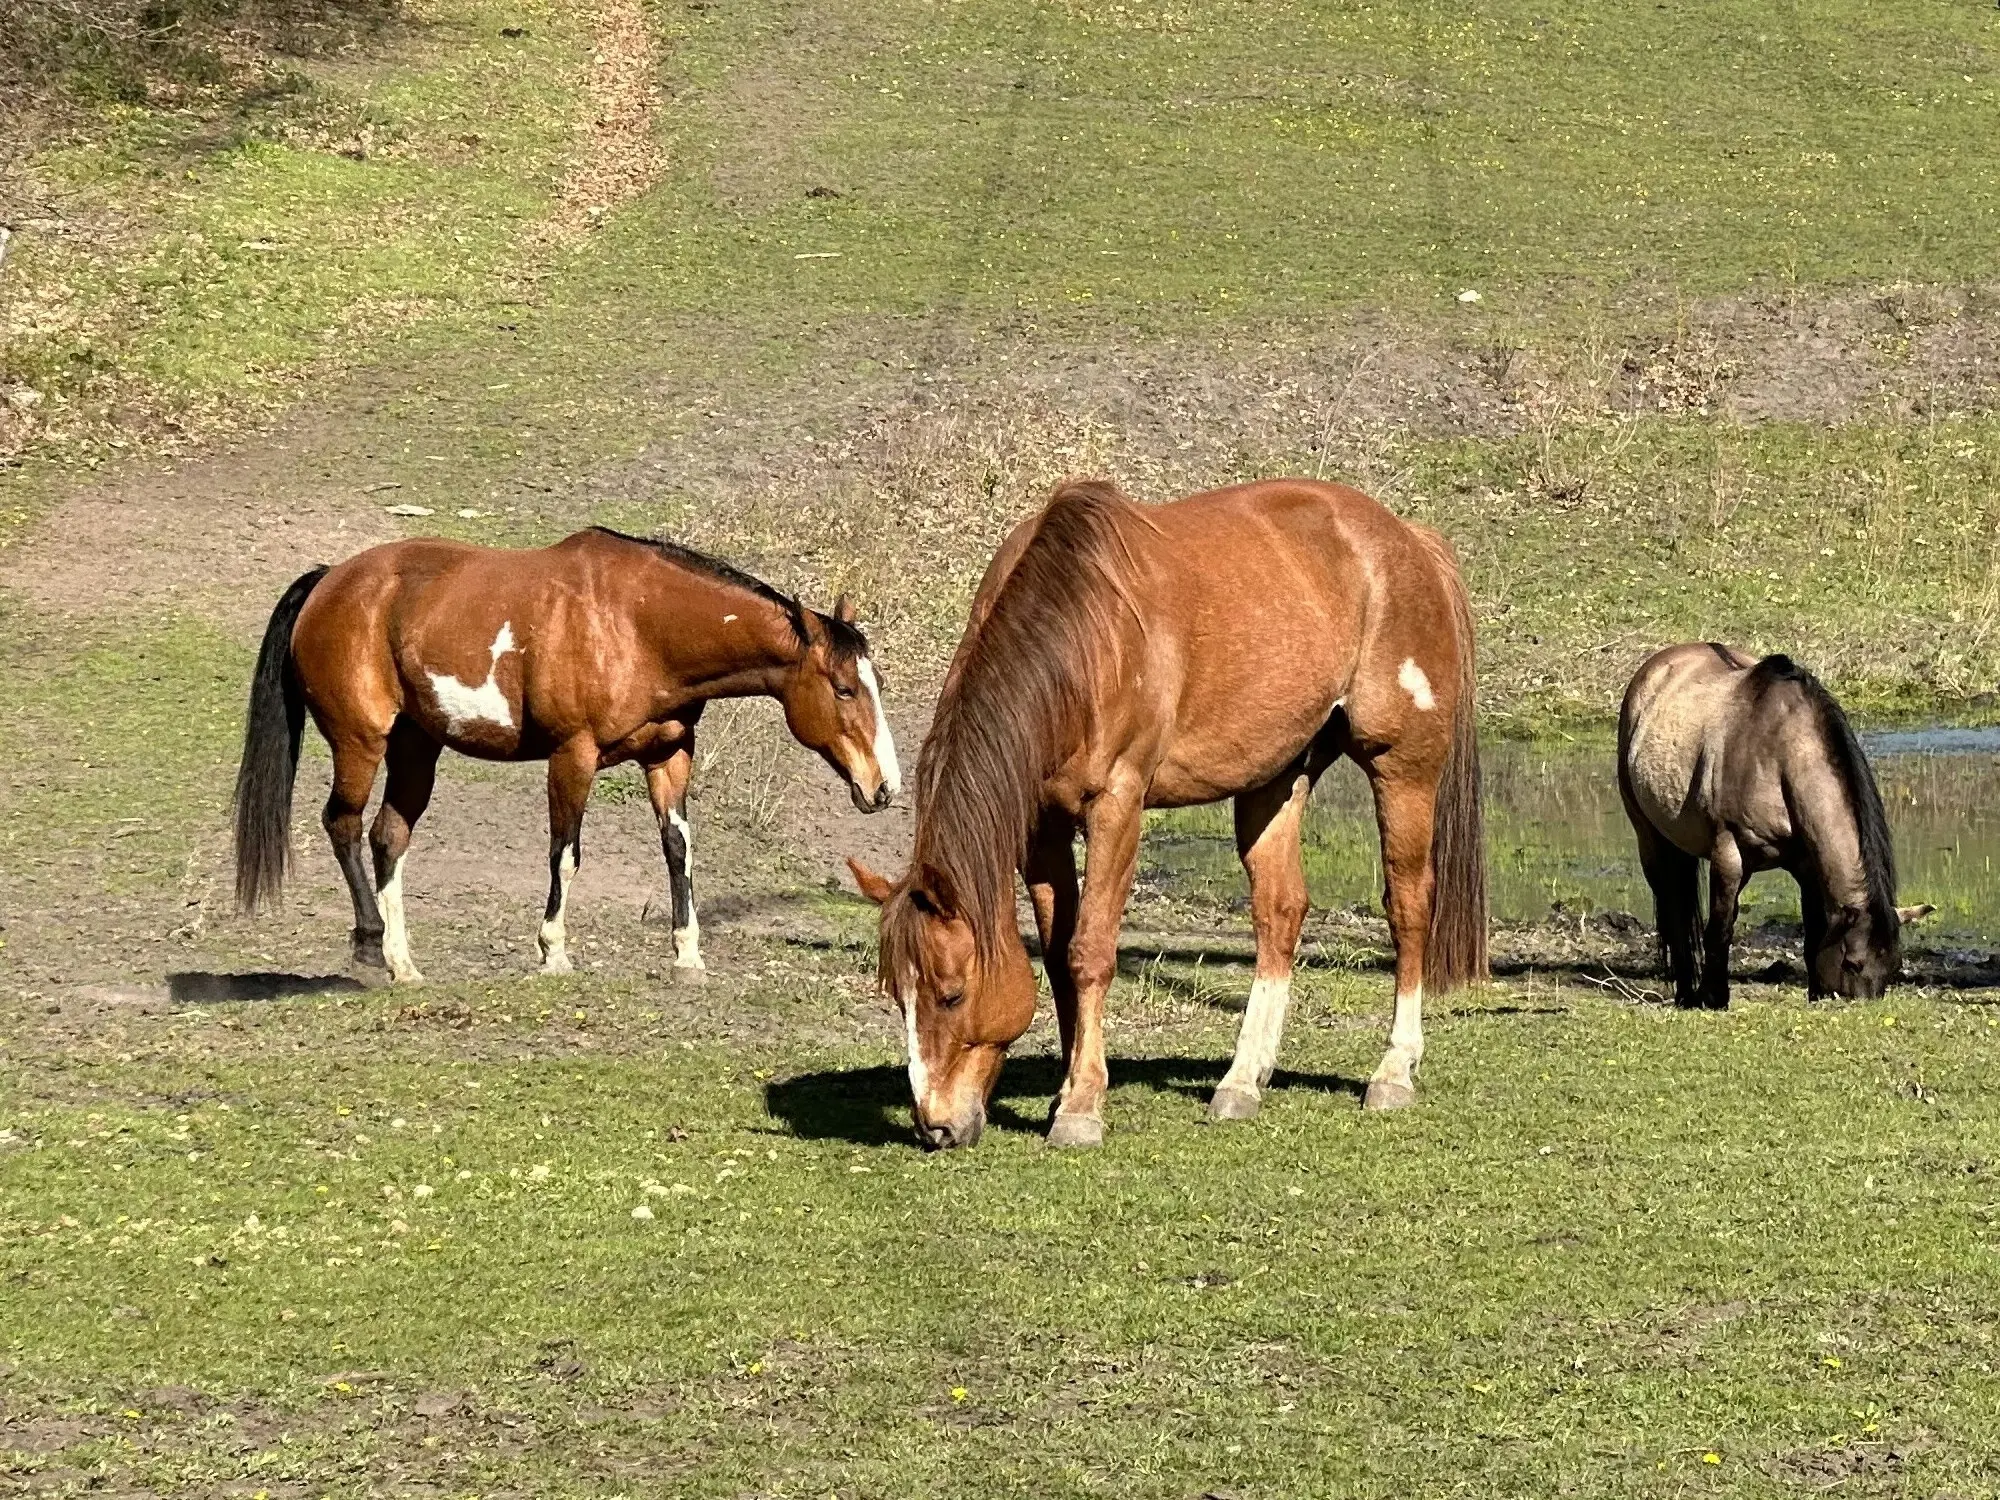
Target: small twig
[{"x": 1623, "y": 990}]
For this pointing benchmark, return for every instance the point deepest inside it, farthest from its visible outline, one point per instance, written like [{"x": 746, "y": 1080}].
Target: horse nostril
[
  {"x": 882, "y": 795},
  {"x": 934, "y": 1137}
]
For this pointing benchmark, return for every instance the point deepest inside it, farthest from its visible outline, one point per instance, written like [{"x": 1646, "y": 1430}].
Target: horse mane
[
  {"x": 1850, "y": 763},
  {"x": 1019, "y": 703},
  {"x": 845, "y": 642}
]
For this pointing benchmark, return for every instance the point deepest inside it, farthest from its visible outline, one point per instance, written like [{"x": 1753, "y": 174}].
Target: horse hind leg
[
  {"x": 1267, "y": 840},
  {"x": 667, "y": 786},
  {"x": 354, "y": 762},
  {"x": 412, "y": 758},
  {"x": 1405, "y": 802},
  {"x": 1675, "y": 878},
  {"x": 571, "y": 771}
]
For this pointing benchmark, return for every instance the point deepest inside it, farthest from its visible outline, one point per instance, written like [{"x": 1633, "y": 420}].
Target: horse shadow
[
  {"x": 199, "y": 987},
  {"x": 870, "y": 1106}
]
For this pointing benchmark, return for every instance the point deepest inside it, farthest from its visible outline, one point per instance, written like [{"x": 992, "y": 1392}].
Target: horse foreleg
[
  {"x": 1050, "y": 874},
  {"x": 1111, "y": 837},
  {"x": 571, "y": 770},
  {"x": 1267, "y": 841},
  {"x": 1404, "y": 804},
  {"x": 413, "y": 757},
  {"x": 1725, "y": 885},
  {"x": 354, "y": 763},
  {"x": 667, "y": 785}
]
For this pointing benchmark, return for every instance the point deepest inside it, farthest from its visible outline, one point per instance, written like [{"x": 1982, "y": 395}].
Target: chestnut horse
[
  {"x": 1752, "y": 766},
  {"x": 1120, "y": 657},
  {"x": 600, "y": 649}
]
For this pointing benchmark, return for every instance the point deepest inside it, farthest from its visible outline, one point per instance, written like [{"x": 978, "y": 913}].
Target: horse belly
[{"x": 1224, "y": 745}]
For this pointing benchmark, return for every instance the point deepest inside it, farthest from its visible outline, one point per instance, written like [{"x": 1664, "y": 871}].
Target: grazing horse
[
  {"x": 600, "y": 649},
  {"x": 1752, "y": 766},
  {"x": 1120, "y": 657}
]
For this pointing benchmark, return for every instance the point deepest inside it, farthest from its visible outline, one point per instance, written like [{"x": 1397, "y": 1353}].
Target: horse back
[
  {"x": 1705, "y": 742},
  {"x": 474, "y": 643}
]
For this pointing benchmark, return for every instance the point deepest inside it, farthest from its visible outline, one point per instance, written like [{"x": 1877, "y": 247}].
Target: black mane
[
  {"x": 844, "y": 641},
  {"x": 1850, "y": 762}
]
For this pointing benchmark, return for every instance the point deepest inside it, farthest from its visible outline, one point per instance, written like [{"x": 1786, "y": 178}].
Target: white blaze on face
[
  {"x": 920, "y": 1080},
  {"x": 1413, "y": 681},
  {"x": 462, "y": 705},
  {"x": 885, "y": 745}
]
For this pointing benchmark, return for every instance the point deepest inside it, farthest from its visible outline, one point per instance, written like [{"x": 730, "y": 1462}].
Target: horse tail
[
  {"x": 271, "y": 738},
  {"x": 1455, "y": 952}
]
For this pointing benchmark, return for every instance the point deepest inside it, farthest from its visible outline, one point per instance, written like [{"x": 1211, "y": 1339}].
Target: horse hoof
[
  {"x": 405, "y": 976},
  {"x": 1076, "y": 1130},
  {"x": 690, "y": 974},
  {"x": 1385, "y": 1094},
  {"x": 557, "y": 963},
  {"x": 1232, "y": 1103}
]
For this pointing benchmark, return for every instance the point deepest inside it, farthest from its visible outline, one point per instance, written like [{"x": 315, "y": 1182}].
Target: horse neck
[
  {"x": 724, "y": 642},
  {"x": 1828, "y": 824}
]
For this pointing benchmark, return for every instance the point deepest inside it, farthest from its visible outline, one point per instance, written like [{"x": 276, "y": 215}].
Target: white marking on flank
[
  {"x": 1412, "y": 680},
  {"x": 920, "y": 1082},
  {"x": 885, "y": 744},
  {"x": 487, "y": 702},
  {"x": 727, "y": 618}
]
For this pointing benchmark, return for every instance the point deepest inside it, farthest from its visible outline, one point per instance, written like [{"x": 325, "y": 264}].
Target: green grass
[{"x": 1614, "y": 1241}]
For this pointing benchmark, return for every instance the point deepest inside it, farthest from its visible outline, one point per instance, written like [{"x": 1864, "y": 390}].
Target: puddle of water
[{"x": 1557, "y": 835}]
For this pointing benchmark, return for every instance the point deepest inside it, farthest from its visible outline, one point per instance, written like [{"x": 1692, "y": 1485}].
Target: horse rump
[{"x": 271, "y": 736}]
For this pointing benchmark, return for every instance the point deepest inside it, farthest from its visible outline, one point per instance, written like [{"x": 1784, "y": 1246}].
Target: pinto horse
[
  {"x": 1120, "y": 657},
  {"x": 600, "y": 649},
  {"x": 1751, "y": 765}
]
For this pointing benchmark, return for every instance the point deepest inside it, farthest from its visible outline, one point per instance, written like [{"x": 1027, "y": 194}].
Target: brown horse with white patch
[
  {"x": 1751, "y": 765},
  {"x": 600, "y": 649},
  {"x": 1120, "y": 657}
]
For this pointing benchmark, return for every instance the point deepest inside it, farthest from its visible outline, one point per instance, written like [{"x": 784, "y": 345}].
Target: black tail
[{"x": 271, "y": 737}]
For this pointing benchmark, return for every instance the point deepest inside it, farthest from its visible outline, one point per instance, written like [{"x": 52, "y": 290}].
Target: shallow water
[{"x": 1558, "y": 841}]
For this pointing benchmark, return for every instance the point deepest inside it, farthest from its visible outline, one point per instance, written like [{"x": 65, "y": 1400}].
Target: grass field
[{"x": 889, "y": 270}]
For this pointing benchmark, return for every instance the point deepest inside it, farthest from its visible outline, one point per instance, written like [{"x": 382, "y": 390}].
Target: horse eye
[
  {"x": 843, "y": 693},
  {"x": 951, "y": 1001}
]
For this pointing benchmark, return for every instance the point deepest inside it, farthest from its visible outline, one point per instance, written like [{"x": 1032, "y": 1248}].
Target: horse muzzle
[
  {"x": 865, "y": 802},
  {"x": 950, "y": 1135}
]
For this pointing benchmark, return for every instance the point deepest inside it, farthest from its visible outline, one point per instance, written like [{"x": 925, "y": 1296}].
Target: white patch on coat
[
  {"x": 1263, "y": 1028},
  {"x": 1406, "y": 1041},
  {"x": 885, "y": 744},
  {"x": 727, "y": 618},
  {"x": 462, "y": 705},
  {"x": 553, "y": 936},
  {"x": 920, "y": 1078},
  {"x": 1412, "y": 680},
  {"x": 687, "y": 940},
  {"x": 395, "y": 930}
]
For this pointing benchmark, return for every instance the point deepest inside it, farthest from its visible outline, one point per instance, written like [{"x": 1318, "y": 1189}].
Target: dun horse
[
  {"x": 1752, "y": 766},
  {"x": 600, "y": 649},
  {"x": 1119, "y": 657}
]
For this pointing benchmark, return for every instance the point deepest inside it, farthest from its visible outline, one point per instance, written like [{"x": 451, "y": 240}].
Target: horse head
[
  {"x": 833, "y": 705},
  {"x": 966, "y": 994}
]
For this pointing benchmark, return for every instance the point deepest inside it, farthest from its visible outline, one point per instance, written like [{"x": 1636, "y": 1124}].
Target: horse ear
[
  {"x": 873, "y": 886},
  {"x": 843, "y": 610},
  {"x": 935, "y": 892},
  {"x": 1910, "y": 914}
]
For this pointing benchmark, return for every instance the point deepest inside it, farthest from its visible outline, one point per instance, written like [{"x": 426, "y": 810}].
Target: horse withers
[
  {"x": 600, "y": 649},
  {"x": 1751, "y": 765},
  {"x": 1119, "y": 657}
]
